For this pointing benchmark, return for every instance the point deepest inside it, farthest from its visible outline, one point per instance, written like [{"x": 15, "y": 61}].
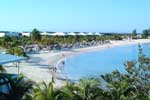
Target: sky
[{"x": 75, "y": 15}]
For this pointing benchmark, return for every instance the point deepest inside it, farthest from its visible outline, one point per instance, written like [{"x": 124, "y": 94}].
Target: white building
[
  {"x": 2, "y": 34},
  {"x": 51, "y": 33},
  {"x": 44, "y": 33},
  {"x": 81, "y": 33},
  {"x": 100, "y": 34},
  {"x": 89, "y": 33},
  {"x": 71, "y": 33},
  {"x": 97, "y": 33},
  {"x": 59, "y": 34},
  {"x": 25, "y": 34}
]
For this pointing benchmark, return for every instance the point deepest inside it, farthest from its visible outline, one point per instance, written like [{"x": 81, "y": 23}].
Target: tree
[
  {"x": 17, "y": 51},
  {"x": 46, "y": 41},
  {"x": 43, "y": 92},
  {"x": 35, "y": 35},
  {"x": 6, "y": 40},
  {"x": 16, "y": 87},
  {"x": 132, "y": 85},
  {"x": 2, "y": 69},
  {"x": 134, "y": 33},
  {"x": 88, "y": 89},
  {"x": 145, "y": 34},
  {"x": 85, "y": 89}
]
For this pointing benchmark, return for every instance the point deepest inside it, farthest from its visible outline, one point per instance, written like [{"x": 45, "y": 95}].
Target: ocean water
[{"x": 102, "y": 61}]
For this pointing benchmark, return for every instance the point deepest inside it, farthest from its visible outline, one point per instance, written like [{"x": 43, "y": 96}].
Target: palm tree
[
  {"x": 86, "y": 89},
  {"x": 2, "y": 69},
  {"x": 17, "y": 51},
  {"x": 6, "y": 40},
  {"x": 2, "y": 81},
  {"x": 68, "y": 92},
  {"x": 35, "y": 35},
  {"x": 17, "y": 87},
  {"x": 43, "y": 92}
]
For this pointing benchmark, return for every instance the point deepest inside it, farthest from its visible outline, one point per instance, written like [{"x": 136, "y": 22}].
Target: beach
[{"x": 40, "y": 66}]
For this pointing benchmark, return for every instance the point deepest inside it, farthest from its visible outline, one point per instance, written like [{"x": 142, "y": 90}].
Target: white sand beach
[{"x": 37, "y": 68}]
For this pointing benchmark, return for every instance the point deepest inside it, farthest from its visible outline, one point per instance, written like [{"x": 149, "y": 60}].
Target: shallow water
[{"x": 102, "y": 61}]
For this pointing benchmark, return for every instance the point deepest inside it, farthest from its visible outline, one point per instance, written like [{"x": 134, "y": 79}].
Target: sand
[{"x": 40, "y": 66}]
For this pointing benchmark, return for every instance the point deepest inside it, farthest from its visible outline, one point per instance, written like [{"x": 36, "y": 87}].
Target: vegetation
[
  {"x": 134, "y": 33},
  {"x": 15, "y": 87},
  {"x": 2, "y": 69},
  {"x": 146, "y": 33},
  {"x": 8, "y": 42},
  {"x": 43, "y": 92},
  {"x": 16, "y": 45},
  {"x": 134, "y": 84},
  {"x": 12, "y": 43},
  {"x": 35, "y": 35},
  {"x": 17, "y": 51},
  {"x": 85, "y": 89}
]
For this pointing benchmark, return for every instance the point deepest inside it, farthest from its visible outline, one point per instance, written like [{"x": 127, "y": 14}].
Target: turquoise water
[{"x": 102, "y": 61}]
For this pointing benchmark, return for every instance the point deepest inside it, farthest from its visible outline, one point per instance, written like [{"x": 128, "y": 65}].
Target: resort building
[
  {"x": 139, "y": 36},
  {"x": 44, "y": 33},
  {"x": 25, "y": 34},
  {"x": 97, "y": 33},
  {"x": 2, "y": 34},
  {"x": 59, "y": 34},
  {"x": 81, "y": 33},
  {"x": 51, "y": 33},
  {"x": 71, "y": 33},
  {"x": 89, "y": 33}
]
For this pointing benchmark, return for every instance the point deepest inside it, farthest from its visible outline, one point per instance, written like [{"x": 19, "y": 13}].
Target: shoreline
[
  {"x": 112, "y": 44},
  {"x": 38, "y": 67}
]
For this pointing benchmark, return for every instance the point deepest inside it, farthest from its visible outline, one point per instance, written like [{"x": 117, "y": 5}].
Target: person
[
  {"x": 54, "y": 69},
  {"x": 63, "y": 55},
  {"x": 63, "y": 63}
]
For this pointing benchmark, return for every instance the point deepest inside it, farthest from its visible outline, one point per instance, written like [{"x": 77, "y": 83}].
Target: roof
[
  {"x": 8, "y": 58},
  {"x": 71, "y": 33},
  {"x": 59, "y": 33},
  {"x": 89, "y": 33},
  {"x": 81, "y": 33}
]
